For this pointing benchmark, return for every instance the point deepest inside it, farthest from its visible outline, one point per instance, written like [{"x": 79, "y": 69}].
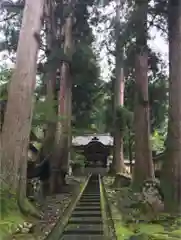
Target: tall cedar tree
[
  {"x": 63, "y": 134},
  {"x": 17, "y": 124},
  {"x": 118, "y": 156},
  {"x": 143, "y": 155},
  {"x": 171, "y": 178}
]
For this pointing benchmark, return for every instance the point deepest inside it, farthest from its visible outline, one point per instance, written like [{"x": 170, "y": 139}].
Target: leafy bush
[{"x": 78, "y": 159}]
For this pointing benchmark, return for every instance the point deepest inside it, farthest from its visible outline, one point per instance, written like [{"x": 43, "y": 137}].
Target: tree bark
[
  {"x": 51, "y": 136},
  {"x": 50, "y": 79},
  {"x": 63, "y": 134},
  {"x": 143, "y": 155},
  {"x": 118, "y": 135},
  {"x": 118, "y": 155},
  {"x": 66, "y": 100},
  {"x": 130, "y": 149},
  {"x": 48, "y": 144},
  {"x": 17, "y": 124},
  {"x": 69, "y": 119},
  {"x": 171, "y": 172}
]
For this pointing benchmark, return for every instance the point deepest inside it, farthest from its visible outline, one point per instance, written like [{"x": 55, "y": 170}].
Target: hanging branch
[{"x": 9, "y": 17}]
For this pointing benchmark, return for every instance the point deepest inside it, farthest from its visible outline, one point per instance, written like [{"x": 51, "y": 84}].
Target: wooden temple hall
[{"x": 95, "y": 148}]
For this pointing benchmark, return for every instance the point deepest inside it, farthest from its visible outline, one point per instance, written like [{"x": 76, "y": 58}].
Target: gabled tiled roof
[{"x": 105, "y": 139}]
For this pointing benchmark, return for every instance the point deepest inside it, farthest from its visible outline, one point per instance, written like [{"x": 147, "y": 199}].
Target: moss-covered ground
[
  {"x": 133, "y": 220},
  {"x": 10, "y": 214}
]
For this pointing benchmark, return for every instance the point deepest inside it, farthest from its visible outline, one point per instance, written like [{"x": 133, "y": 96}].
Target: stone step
[
  {"x": 83, "y": 232},
  {"x": 92, "y": 188},
  {"x": 97, "y": 192},
  {"x": 87, "y": 197},
  {"x": 90, "y": 211},
  {"x": 98, "y": 208},
  {"x": 88, "y": 214},
  {"x": 92, "y": 203},
  {"x": 88, "y": 221},
  {"x": 83, "y": 237},
  {"x": 82, "y": 204},
  {"x": 91, "y": 185},
  {"x": 89, "y": 200},
  {"x": 94, "y": 193},
  {"x": 89, "y": 203},
  {"x": 91, "y": 195},
  {"x": 86, "y": 218},
  {"x": 87, "y": 210},
  {"x": 84, "y": 228}
]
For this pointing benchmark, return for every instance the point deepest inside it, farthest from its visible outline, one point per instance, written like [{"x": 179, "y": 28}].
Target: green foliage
[
  {"x": 3, "y": 91},
  {"x": 10, "y": 28},
  {"x": 87, "y": 91},
  {"x": 9, "y": 224},
  {"x": 5, "y": 76},
  {"x": 158, "y": 80},
  {"x": 83, "y": 63},
  {"x": 78, "y": 159},
  {"x": 135, "y": 219},
  {"x": 158, "y": 98},
  {"x": 8, "y": 201},
  {"x": 82, "y": 32},
  {"x": 56, "y": 57},
  {"x": 45, "y": 112},
  {"x": 86, "y": 86},
  {"x": 124, "y": 118},
  {"x": 10, "y": 214},
  {"x": 158, "y": 141}
]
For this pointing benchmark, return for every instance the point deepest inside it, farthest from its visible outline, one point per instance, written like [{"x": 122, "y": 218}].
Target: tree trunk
[
  {"x": 17, "y": 124},
  {"x": 171, "y": 176},
  {"x": 130, "y": 149},
  {"x": 50, "y": 80},
  {"x": 64, "y": 126},
  {"x": 118, "y": 135},
  {"x": 69, "y": 119},
  {"x": 66, "y": 100},
  {"x": 118, "y": 156},
  {"x": 61, "y": 139},
  {"x": 48, "y": 144},
  {"x": 143, "y": 155},
  {"x": 50, "y": 130},
  {"x": 2, "y": 112}
]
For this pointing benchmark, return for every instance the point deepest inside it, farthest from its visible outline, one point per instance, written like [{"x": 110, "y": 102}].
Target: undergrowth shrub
[{"x": 7, "y": 202}]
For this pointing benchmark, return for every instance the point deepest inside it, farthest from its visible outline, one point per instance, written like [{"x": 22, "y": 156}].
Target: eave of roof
[{"x": 105, "y": 139}]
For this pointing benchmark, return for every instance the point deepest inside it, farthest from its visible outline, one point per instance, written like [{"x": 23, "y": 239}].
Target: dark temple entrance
[
  {"x": 96, "y": 153},
  {"x": 96, "y": 149}
]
